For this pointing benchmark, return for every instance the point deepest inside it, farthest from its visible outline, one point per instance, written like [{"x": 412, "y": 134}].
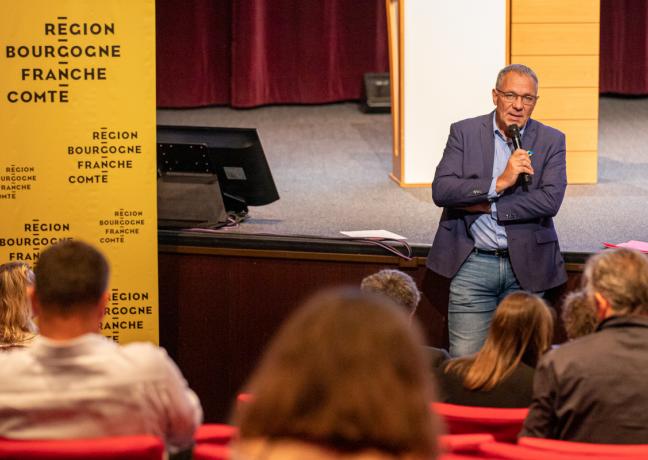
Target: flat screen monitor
[{"x": 234, "y": 155}]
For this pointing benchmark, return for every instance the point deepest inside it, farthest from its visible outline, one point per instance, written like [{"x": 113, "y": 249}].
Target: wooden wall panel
[
  {"x": 581, "y": 134},
  {"x": 218, "y": 313},
  {"x": 559, "y": 39},
  {"x": 555, "y": 11},
  {"x": 563, "y": 71},
  {"x": 582, "y": 167},
  {"x": 567, "y": 103},
  {"x": 554, "y": 39}
]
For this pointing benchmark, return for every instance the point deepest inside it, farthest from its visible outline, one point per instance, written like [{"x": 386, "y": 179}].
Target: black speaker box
[
  {"x": 377, "y": 95},
  {"x": 190, "y": 200}
]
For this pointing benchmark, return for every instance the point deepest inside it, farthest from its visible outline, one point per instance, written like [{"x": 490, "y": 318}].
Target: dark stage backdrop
[
  {"x": 246, "y": 53},
  {"x": 624, "y": 47}
]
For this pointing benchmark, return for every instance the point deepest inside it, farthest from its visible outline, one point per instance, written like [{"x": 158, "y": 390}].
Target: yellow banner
[{"x": 77, "y": 113}]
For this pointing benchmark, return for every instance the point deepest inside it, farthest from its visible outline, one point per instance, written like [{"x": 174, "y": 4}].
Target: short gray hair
[
  {"x": 517, "y": 68},
  {"x": 621, "y": 277},
  {"x": 396, "y": 285}
]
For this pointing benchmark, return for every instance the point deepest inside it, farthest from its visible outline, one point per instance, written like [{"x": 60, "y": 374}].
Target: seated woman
[
  {"x": 345, "y": 378},
  {"x": 16, "y": 326},
  {"x": 501, "y": 373}
]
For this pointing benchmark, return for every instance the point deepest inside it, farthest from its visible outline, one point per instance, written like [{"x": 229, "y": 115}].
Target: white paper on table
[{"x": 374, "y": 234}]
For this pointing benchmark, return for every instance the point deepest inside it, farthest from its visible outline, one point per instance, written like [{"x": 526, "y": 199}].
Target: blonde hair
[
  {"x": 521, "y": 330},
  {"x": 16, "y": 324},
  {"x": 346, "y": 371}
]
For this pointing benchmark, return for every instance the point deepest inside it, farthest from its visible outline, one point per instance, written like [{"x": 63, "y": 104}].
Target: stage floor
[{"x": 331, "y": 165}]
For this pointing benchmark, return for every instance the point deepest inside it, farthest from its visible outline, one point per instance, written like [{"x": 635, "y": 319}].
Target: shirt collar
[
  {"x": 45, "y": 347},
  {"x": 623, "y": 321},
  {"x": 500, "y": 134}
]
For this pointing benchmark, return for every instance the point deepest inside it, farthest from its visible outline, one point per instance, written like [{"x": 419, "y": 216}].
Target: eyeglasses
[{"x": 509, "y": 96}]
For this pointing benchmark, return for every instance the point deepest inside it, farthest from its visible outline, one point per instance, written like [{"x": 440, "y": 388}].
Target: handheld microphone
[{"x": 513, "y": 131}]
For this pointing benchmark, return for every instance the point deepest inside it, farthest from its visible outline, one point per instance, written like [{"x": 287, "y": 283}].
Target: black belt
[{"x": 493, "y": 252}]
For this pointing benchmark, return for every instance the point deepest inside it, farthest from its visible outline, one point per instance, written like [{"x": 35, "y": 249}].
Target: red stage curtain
[
  {"x": 247, "y": 53},
  {"x": 624, "y": 47},
  {"x": 193, "y": 52}
]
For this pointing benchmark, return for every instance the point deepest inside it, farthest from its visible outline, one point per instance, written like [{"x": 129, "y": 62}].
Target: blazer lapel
[
  {"x": 530, "y": 133},
  {"x": 529, "y": 138}
]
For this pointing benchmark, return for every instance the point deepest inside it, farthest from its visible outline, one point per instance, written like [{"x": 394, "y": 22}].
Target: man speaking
[{"x": 500, "y": 181}]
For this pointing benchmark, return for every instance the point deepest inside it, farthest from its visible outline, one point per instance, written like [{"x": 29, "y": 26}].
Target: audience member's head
[
  {"x": 616, "y": 281},
  {"x": 578, "y": 315},
  {"x": 16, "y": 326},
  {"x": 521, "y": 331},
  {"x": 71, "y": 285},
  {"x": 345, "y": 372},
  {"x": 398, "y": 286}
]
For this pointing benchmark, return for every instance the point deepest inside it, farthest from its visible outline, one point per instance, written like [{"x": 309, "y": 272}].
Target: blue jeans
[{"x": 475, "y": 291}]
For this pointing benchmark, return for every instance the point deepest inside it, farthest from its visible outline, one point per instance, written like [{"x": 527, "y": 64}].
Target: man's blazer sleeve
[
  {"x": 545, "y": 199},
  {"x": 450, "y": 187}
]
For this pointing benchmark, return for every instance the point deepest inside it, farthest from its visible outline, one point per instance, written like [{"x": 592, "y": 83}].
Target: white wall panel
[{"x": 452, "y": 53}]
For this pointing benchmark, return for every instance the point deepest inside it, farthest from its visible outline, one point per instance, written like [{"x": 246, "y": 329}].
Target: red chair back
[
  {"x": 464, "y": 443},
  {"x": 244, "y": 398},
  {"x": 503, "y": 424},
  {"x": 214, "y": 433},
  {"x": 210, "y": 452},
  {"x": 143, "y": 447},
  {"x": 452, "y": 456},
  {"x": 551, "y": 446},
  {"x": 506, "y": 451}
]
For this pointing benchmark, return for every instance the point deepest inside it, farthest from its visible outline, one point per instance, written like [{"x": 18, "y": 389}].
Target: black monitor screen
[{"x": 234, "y": 154}]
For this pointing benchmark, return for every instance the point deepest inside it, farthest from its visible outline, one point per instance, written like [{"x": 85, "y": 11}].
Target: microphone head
[{"x": 513, "y": 131}]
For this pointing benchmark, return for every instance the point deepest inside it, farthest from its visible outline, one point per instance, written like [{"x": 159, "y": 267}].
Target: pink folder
[{"x": 632, "y": 244}]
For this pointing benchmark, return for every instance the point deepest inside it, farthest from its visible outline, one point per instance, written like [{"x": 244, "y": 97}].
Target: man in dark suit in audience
[
  {"x": 74, "y": 383},
  {"x": 402, "y": 289},
  {"x": 593, "y": 389}
]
